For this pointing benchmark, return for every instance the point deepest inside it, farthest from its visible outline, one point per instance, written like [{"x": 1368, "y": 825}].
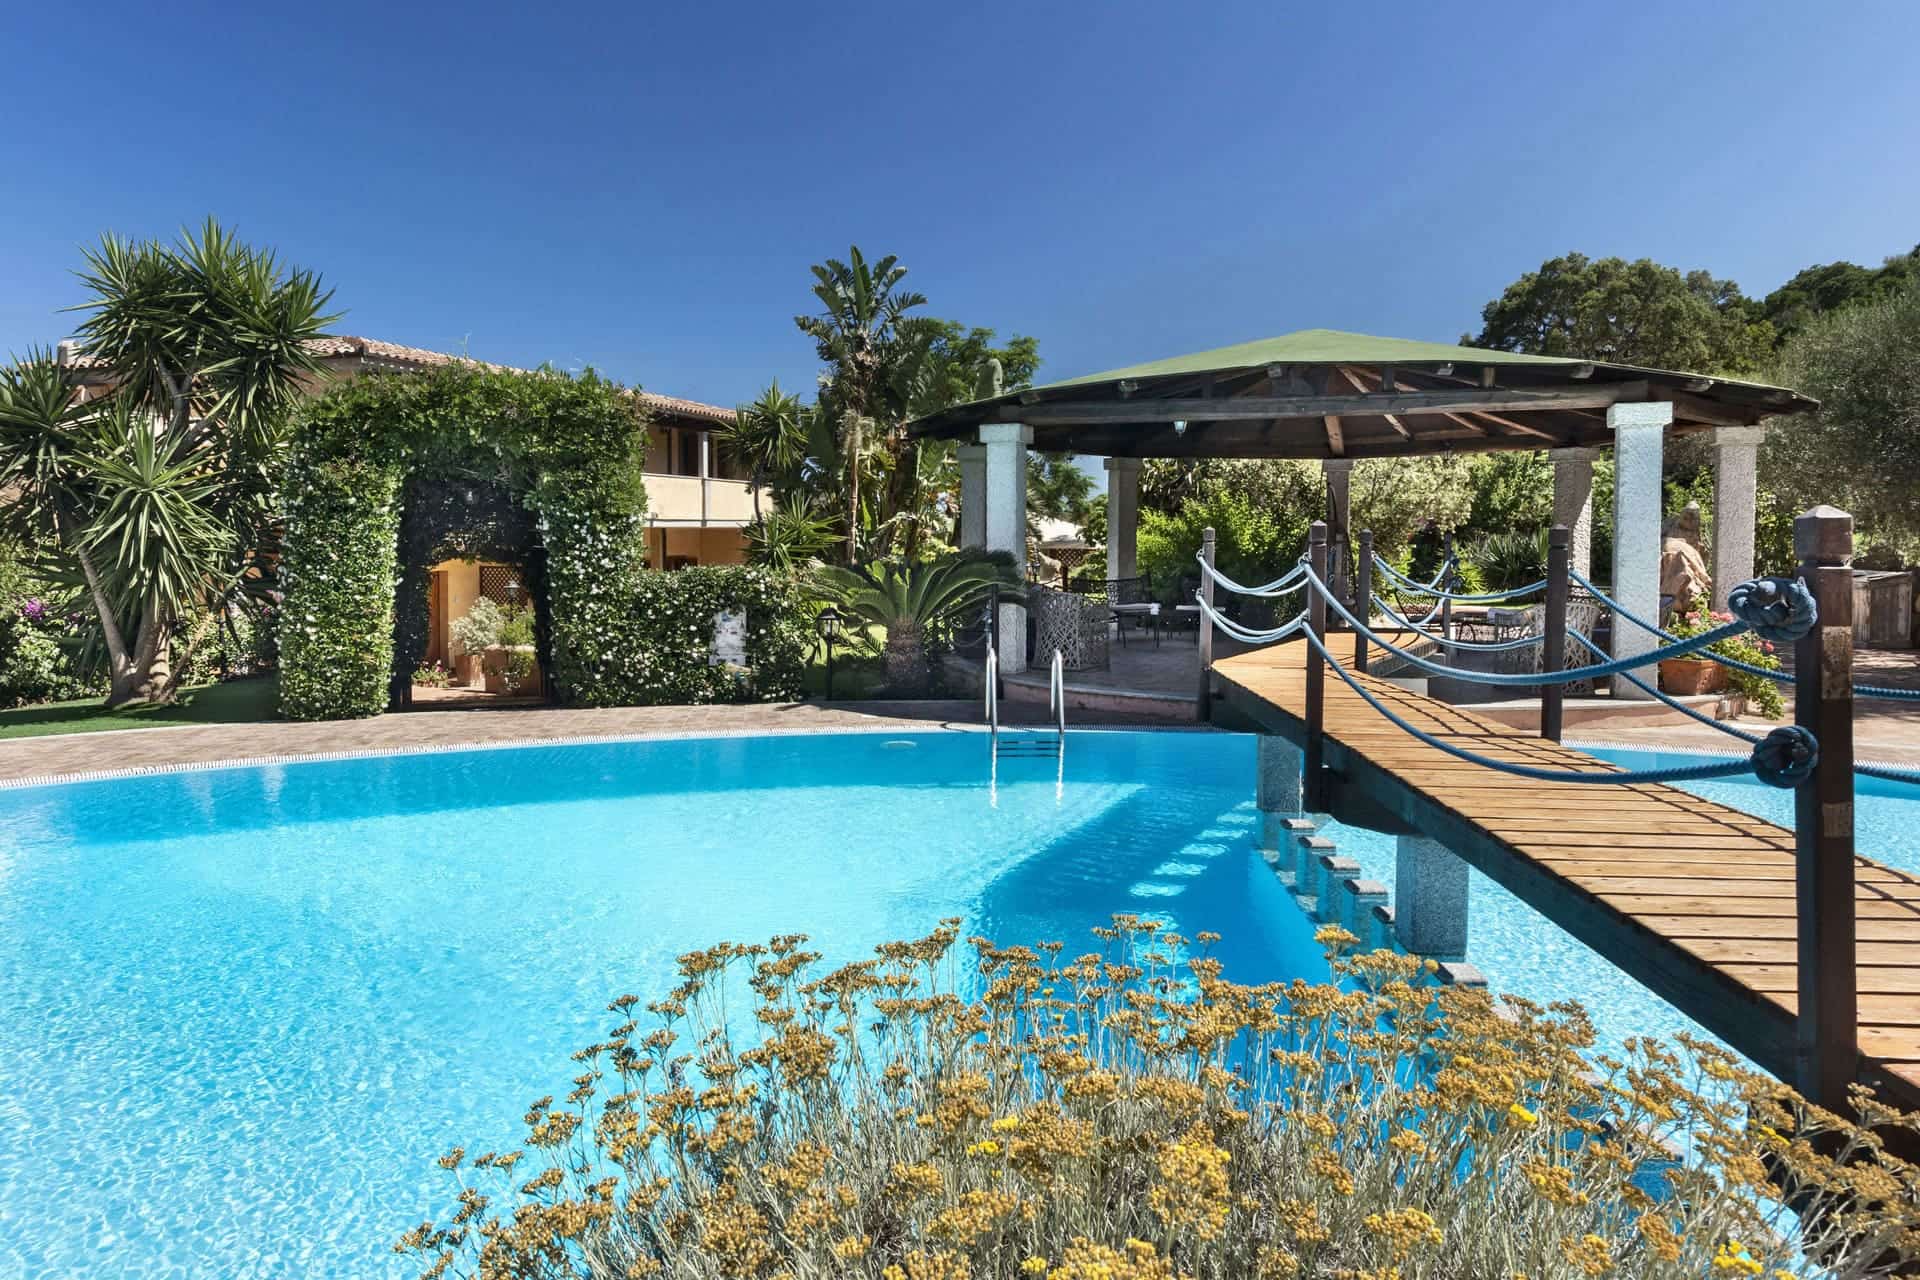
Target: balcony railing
[{"x": 700, "y": 500}]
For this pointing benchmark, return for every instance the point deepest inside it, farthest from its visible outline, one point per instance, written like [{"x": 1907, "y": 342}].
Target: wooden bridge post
[
  {"x": 1829, "y": 1022},
  {"x": 1363, "y": 596},
  {"x": 1447, "y": 579},
  {"x": 1204, "y": 641},
  {"x": 1313, "y": 767},
  {"x": 1553, "y": 657}
]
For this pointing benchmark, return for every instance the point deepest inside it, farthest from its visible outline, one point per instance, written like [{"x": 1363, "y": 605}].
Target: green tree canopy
[
  {"x": 1835, "y": 286},
  {"x": 1861, "y": 448},
  {"x": 157, "y": 499},
  {"x": 1624, "y": 312}
]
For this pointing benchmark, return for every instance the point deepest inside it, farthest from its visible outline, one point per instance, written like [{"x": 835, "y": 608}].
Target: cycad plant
[{"x": 908, "y": 599}]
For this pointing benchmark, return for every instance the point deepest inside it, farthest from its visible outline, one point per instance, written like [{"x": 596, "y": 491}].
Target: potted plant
[
  {"x": 472, "y": 635},
  {"x": 508, "y": 662},
  {"x": 1699, "y": 673}
]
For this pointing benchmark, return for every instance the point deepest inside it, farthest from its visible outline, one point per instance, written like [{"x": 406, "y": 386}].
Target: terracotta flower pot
[
  {"x": 493, "y": 661},
  {"x": 1685, "y": 676}
]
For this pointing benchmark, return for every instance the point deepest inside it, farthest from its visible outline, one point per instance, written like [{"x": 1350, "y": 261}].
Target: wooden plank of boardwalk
[{"x": 1692, "y": 898}]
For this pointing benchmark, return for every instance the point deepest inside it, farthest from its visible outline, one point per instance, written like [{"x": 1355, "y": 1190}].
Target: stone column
[
  {"x": 1736, "y": 466},
  {"x": 1123, "y": 517},
  {"x": 1339, "y": 474},
  {"x": 1006, "y": 525},
  {"x": 1639, "y": 432},
  {"x": 973, "y": 496},
  {"x": 1430, "y": 898},
  {"x": 1277, "y": 790},
  {"x": 1573, "y": 503}
]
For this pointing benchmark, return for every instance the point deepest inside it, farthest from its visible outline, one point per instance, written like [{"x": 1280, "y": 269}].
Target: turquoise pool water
[{"x": 243, "y": 1010}]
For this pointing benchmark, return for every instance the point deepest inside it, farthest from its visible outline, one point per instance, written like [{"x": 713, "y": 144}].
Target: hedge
[
  {"x": 569, "y": 450},
  {"x": 336, "y": 629},
  {"x": 669, "y": 634}
]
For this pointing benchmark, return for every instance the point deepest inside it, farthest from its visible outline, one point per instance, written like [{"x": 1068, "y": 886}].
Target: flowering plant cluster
[
  {"x": 38, "y": 652},
  {"x": 1130, "y": 1115},
  {"x": 336, "y": 625},
  {"x": 1762, "y": 694}
]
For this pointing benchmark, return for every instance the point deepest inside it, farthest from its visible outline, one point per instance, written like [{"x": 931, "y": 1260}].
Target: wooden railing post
[
  {"x": 1205, "y": 639},
  {"x": 1553, "y": 655},
  {"x": 1313, "y": 768},
  {"x": 1829, "y": 1022},
  {"x": 1362, "y": 596},
  {"x": 1447, "y": 579}
]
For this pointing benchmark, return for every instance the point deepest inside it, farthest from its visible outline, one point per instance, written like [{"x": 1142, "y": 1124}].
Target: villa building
[{"x": 699, "y": 500}]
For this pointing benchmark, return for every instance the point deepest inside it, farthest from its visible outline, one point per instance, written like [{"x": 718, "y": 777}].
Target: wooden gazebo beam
[{"x": 1068, "y": 413}]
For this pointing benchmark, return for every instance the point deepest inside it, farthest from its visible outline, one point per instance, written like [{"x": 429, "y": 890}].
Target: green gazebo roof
[{"x": 1321, "y": 393}]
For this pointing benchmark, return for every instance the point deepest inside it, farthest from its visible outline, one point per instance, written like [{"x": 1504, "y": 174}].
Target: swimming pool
[{"x": 242, "y": 1010}]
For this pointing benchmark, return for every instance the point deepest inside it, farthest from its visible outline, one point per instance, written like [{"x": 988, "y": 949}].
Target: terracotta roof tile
[{"x": 392, "y": 354}]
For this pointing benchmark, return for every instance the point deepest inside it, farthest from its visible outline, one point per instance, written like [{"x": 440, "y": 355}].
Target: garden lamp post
[{"x": 828, "y": 624}]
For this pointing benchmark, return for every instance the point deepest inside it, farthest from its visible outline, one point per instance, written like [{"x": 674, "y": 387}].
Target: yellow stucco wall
[{"x": 462, "y": 589}]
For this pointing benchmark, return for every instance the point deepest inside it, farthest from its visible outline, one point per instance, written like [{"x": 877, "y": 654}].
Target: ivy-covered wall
[
  {"x": 667, "y": 638},
  {"x": 336, "y": 625},
  {"x": 391, "y": 470}
]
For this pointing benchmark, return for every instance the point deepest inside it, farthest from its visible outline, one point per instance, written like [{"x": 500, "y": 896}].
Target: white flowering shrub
[
  {"x": 336, "y": 626},
  {"x": 570, "y": 449}
]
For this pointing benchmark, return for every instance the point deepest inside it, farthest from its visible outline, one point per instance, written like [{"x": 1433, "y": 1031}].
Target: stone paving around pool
[
  {"x": 144, "y": 750},
  {"x": 1888, "y": 732}
]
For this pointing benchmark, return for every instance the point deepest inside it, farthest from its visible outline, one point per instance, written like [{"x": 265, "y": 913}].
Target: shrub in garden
[
  {"x": 668, "y": 632},
  {"x": 37, "y": 656},
  {"x": 1129, "y": 1114}
]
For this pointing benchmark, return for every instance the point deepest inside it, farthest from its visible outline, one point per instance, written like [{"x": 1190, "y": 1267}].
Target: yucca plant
[
  {"x": 908, "y": 599},
  {"x": 1508, "y": 559},
  {"x": 158, "y": 498}
]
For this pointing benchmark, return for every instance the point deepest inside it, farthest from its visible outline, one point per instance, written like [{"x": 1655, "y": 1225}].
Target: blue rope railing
[
  {"x": 1888, "y": 773},
  {"x": 1284, "y": 585},
  {"x": 1669, "y": 700},
  {"x": 1679, "y": 648},
  {"x": 1477, "y": 646},
  {"x": 1621, "y": 611},
  {"x": 1480, "y": 597},
  {"x": 1796, "y": 748},
  {"x": 1780, "y": 677}
]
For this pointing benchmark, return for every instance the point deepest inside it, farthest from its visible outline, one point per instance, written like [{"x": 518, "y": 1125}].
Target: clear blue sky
[{"x": 642, "y": 186}]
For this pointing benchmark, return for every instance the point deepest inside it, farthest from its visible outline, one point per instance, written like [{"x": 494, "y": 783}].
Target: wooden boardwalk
[{"x": 1692, "y": 898}]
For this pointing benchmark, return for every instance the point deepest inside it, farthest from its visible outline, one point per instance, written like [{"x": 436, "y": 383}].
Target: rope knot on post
[
  {"x": 1777, "y": 609},
  {"x": 1786, "y": 757}
]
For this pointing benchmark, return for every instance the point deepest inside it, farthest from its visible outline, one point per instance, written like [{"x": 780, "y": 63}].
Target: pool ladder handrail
[{"x": 1056, "y": 704}]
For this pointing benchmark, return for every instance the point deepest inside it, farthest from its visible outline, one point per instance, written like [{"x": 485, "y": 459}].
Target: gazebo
[{"x": 1342, "y": 397}]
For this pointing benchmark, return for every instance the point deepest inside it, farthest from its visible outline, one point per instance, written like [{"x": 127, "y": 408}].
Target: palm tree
[
  {"x": 771, "y": 435},
  {"x": 863, "y": 332},
  {"x": 161, "y": 494},
  {"x": 907, "y": 598}
]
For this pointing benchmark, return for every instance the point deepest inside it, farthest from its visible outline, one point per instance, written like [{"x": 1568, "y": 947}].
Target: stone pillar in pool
[
  {"x": 973, "y": 496},
  {"x": 1339, "y": 476},
  {"x": 1573, "y": 503},
  {"x": 1639, "y": 432},
  {"x": 1430, "y": 898},
  {"x": 1123, "y": 517},
  {"x": 1736, "y": 467},
  {"x": 1006, "y": 447},
  {"x": 1277, "y": 789}
]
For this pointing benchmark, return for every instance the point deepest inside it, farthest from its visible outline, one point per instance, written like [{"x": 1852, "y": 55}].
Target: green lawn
[{"x": 235, "y": 702}]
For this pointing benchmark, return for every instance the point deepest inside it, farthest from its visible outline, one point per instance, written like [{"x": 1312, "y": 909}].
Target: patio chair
[
  {"x": 1131, "y": 600},
  {"x": 1178, "y": 609},
  {"x": 1074, "y": 624}
]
